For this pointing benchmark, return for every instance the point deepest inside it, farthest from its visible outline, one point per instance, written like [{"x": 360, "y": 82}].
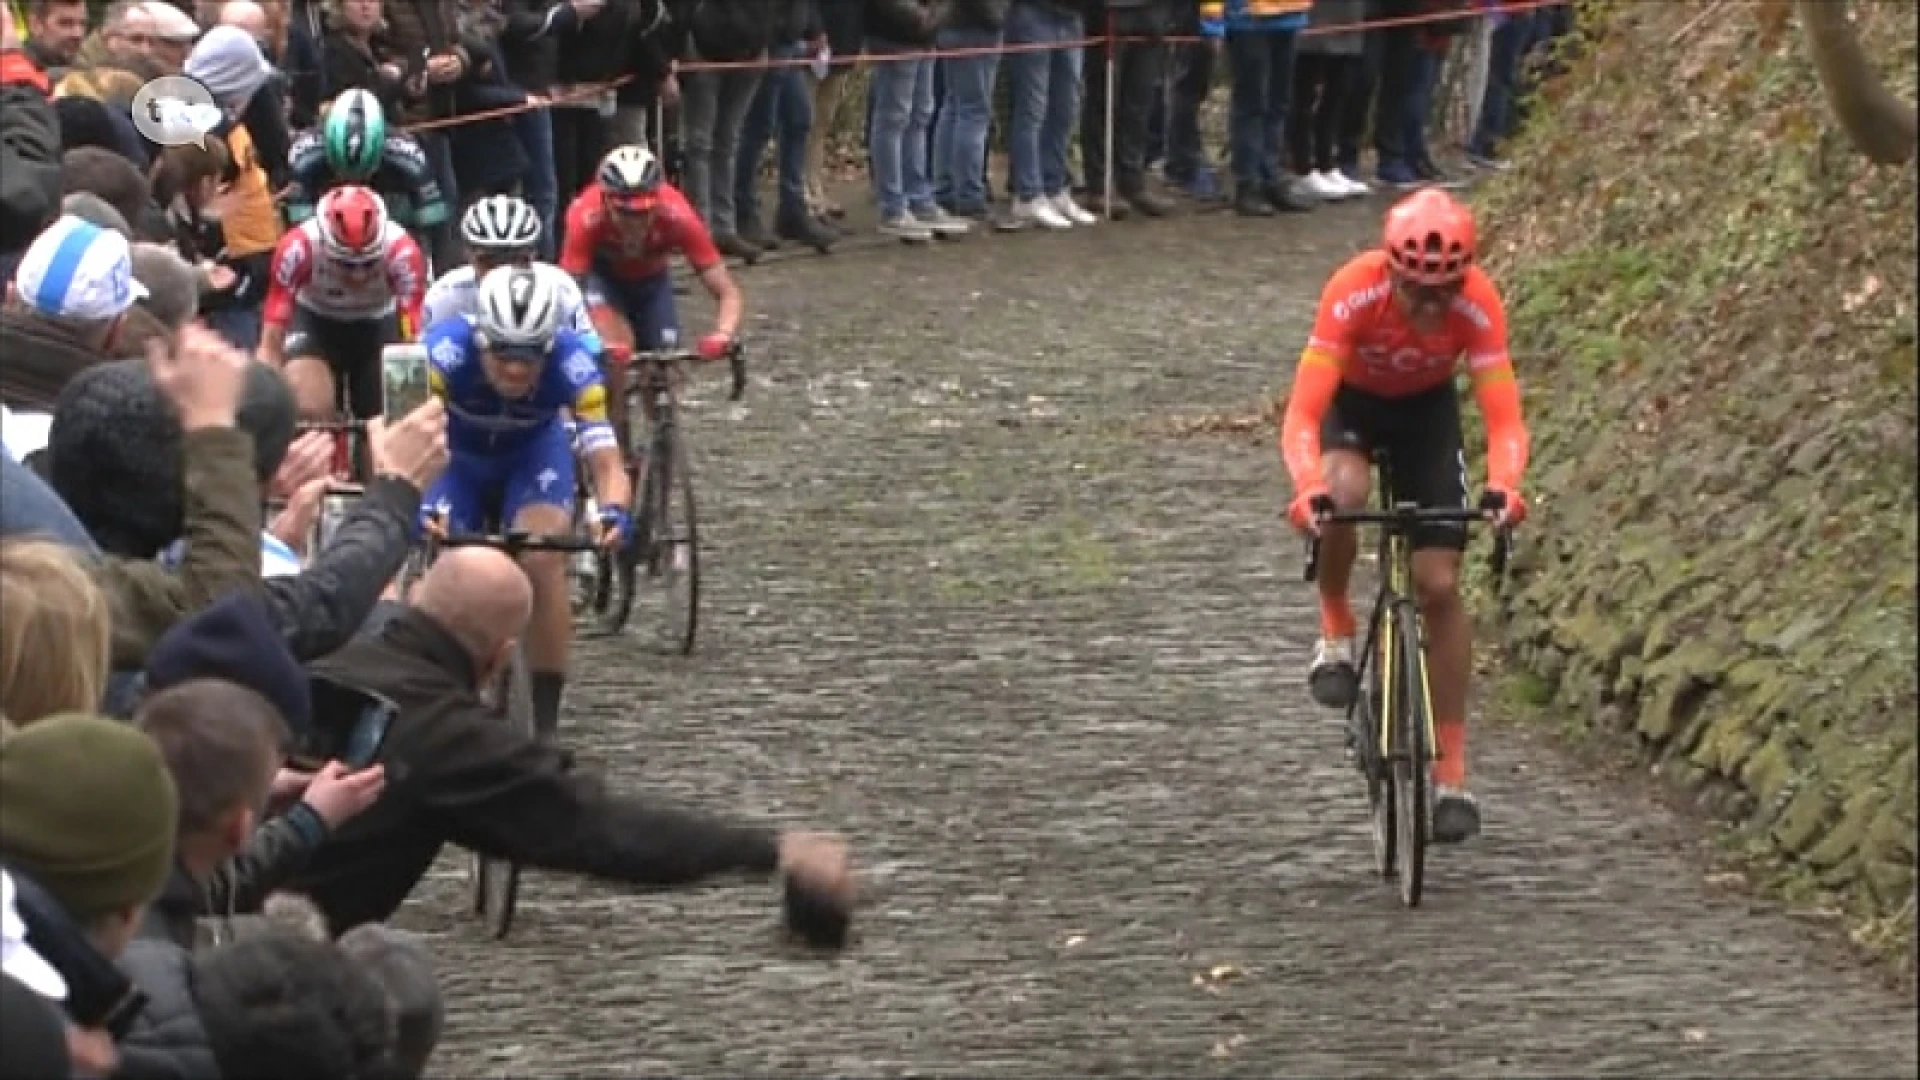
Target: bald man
[
  {"x": 248, "y": 16},
  {"x": 456, "y": 774}
]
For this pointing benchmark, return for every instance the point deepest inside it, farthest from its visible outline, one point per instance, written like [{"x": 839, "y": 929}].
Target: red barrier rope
[{"x": 593, "y": 90}]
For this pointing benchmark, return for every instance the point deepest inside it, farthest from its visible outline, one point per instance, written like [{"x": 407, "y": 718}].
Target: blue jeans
[
  {"x": 782, "y": 111},
  {"x": 1425, "y": 75},
  {"x": 1045, "y": 96},
  {"x": 535, "y": 131},
  {"x": 1395, "y": 106},
  {"x": 1189, "y": 82},
  {"x": 240, "y": 325},
  {"x": 960, "y": 132},
  {"x": 1262, "y": 93},
  {"x": 902, "y": 113}
]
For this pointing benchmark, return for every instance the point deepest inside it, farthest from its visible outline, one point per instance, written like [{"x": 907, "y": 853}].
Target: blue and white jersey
[{"x": 482, "y": 423}]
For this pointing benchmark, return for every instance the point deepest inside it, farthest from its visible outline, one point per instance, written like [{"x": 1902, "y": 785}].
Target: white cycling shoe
[
  {"x": 1332, "y": 678},
  {"x": 1456, "y": 815}
]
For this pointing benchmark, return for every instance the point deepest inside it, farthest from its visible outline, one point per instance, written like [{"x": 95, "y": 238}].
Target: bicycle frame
[{"x": 1394, "y": 611}]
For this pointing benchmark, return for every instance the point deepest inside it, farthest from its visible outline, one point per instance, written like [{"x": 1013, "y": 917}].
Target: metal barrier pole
[{"x": 1106, "y": 148}]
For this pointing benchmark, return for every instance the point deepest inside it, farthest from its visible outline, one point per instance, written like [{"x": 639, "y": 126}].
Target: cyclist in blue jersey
[{"x": 510, "y": 374}]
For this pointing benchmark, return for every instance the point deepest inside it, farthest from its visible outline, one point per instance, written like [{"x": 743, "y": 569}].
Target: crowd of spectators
[{"x": 173, "y": 661}]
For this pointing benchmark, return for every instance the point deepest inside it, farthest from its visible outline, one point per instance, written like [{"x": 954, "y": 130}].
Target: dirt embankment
[{"x": 1713, "y": 302}]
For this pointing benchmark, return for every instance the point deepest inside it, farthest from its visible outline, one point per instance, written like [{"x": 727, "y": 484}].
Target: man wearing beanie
[
  {"x": 219, "y": 513},
  {"x": 227, "y": 61},
  {"x": 87, "y": 813}
]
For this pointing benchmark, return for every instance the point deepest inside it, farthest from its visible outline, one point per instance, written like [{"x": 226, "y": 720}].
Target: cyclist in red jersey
[
  {"x": 344, "y": 283},
  {"x": 622, "y": 232},
  {"x": 1378, "y": 373}
]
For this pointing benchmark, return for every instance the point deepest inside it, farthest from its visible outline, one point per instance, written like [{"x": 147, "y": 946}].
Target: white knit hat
[{"x": 227, "y": 61}]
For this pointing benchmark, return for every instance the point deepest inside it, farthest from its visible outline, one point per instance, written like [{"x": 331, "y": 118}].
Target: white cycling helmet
[
  {"x": 519, "y": 307},
  {"x": 500, "y": 221},
  {"x": 629, "y": 176}
]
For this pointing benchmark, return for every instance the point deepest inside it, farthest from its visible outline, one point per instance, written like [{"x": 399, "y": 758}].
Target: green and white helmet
[{"x": 355, "y": 135}]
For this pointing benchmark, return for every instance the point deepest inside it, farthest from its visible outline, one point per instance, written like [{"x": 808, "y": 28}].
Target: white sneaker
[
  {"x": 1064, "y": 205},
  {"x": 1355, "y": 188},
  {"x": 1039, "y": 212},
  {"x": 941, "y": 223},
  {"x": 906, "y": 227},
  {"x": 1326, "y": 187}
]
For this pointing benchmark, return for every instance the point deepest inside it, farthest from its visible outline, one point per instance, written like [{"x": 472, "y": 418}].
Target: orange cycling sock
[
  {"x": 1336, "y": 617},
  {"x": 1450, "y": 766}
]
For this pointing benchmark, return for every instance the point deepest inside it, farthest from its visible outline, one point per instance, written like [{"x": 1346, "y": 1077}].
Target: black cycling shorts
[
  {"x": 1426, "y": 453},
  {"x": 351, "y": 348}
]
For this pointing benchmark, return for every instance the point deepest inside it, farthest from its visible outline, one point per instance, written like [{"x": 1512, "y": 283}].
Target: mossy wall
[{"x": 1713, "y": 304}]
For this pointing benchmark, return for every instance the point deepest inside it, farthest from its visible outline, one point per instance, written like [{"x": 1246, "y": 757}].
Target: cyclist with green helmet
[{"x": 353, "y": 145}]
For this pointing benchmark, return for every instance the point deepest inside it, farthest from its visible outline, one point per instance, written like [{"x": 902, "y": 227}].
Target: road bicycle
[
  {"x": 496, "y": 882},
  {"x": 665, "y": 544},
  {"x": 1390, "y": 719}
]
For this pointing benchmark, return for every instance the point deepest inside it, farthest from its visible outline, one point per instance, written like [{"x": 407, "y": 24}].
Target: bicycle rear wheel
[
  {"x": 669, "y": 555},
  {"x": 496, "y": 882},
  {"x": 1412, "y": 758}
]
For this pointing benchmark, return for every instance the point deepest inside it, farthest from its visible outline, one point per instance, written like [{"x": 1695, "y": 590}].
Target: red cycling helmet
[
  {"x": 353, "y": 221},
  {"x": 1429, "y": 238}
]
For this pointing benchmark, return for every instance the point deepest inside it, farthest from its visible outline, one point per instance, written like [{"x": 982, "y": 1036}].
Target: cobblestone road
[{"x": 1045, "y": 670}]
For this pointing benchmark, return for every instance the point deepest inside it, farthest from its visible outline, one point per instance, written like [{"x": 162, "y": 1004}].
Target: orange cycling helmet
[
  {"x": 1430, "y": 237},
  {"x": 353, "y": 221}
]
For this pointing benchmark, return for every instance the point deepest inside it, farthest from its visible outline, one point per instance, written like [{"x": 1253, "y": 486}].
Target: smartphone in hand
[{"x": 405, "y": 385}]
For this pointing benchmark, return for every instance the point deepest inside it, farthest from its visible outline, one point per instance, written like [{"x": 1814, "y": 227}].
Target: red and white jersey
[{"x": 305, "y": 273}]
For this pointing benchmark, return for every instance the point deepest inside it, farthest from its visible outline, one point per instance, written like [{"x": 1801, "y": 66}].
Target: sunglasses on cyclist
[
  {"x": 493, "y": 260},
  {"x": 1424, "y": 293},
  {"x": 518, "y": 355}
]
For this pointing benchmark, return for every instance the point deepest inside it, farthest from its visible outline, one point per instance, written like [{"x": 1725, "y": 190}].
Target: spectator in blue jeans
[
  {"x": 960, "y": 129},
  {"x": 898, "y": 32},
  {"x": 782, "y": 113},
  {"x": 1045, "y": 92},
  {"x": 1261, "y": 39}
]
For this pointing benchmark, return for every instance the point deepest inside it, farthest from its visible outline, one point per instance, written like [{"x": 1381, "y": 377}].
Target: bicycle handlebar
[
  {"x": 513, "y": 542},
  {"x": 736, "y": 359},
  {"x": 1404, "y": 518}
]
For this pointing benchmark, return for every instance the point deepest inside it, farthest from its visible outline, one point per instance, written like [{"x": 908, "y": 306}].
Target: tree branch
[{"x": 1881, "y": 126}]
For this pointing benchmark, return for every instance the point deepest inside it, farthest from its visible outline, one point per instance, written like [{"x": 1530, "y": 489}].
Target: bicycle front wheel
[
  {"x": 669, "y": 558},
  {"x": 1374, "y": 712},
  {"x": 1412, "y": 758}
]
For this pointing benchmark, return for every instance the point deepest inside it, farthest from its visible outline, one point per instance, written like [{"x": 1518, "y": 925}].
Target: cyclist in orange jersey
[{"x": 1393, "y": 327}]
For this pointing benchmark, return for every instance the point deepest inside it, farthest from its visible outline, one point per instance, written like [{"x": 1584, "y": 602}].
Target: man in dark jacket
[
  {"x": 782, "y": 112},
  {"x": 530, "y": 49},
  {"x": 1138, "y": 58},
  {"x": 457, "y": 774},
  {"x": 29, "y": 154}
]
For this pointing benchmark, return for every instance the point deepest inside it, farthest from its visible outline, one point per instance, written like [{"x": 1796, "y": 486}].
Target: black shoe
[
  {"x": 1286, "y": 195},
  {"x": 809, "y": 232},
  {"x": 1250, "y": 203},
  {"x": 1148, "y": 203},
  {"x": 732, "y": 246},
  {"x": 1433, "y": 174},
  {"x": 756, "y": 233}
]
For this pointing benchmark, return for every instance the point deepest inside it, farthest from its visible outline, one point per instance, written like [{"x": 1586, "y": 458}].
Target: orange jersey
[{"x": 1362, "y": 340}]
